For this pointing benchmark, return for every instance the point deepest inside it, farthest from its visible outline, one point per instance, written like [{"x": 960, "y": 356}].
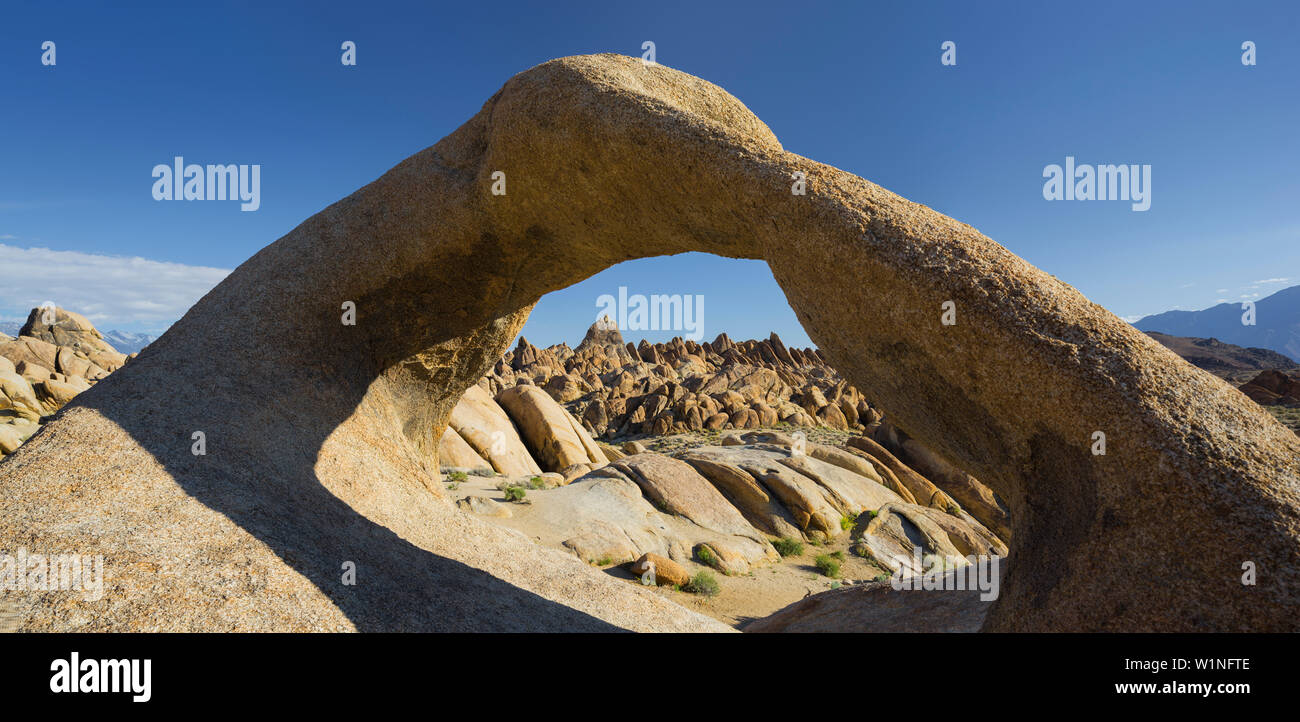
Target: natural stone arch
[{"x": 321, "y": 436}]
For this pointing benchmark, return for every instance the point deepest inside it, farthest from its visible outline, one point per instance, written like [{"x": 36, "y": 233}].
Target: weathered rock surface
[
  {"x": 454, "y": 454},
  {"x": 812, "y": 507},
  {"x": 974, "y": 497},
  {"x": 604, "y": 518},
  {"x": 555, "y": 439},
  {"x": 484, "y": 506},
  {"x": 321, "y": 437},
  {"x": 486, "y": 428},
  {"x": 879, "y": 608},
  {"x": 38, "y": 377},
  {"x": 667, "y": 573},
  {"x": 66, "y": 329},
  {"x": 675, "y": 487},
  {"x": 902, "y": 535}
]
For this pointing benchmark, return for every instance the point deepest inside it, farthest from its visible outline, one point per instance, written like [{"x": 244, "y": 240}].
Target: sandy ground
[{"x": 763, "y": 591}]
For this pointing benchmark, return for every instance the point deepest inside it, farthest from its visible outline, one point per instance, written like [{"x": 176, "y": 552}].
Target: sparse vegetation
[
  {"x": 453, "y": 486},
  {"x": 788, "y": 547},
  {"x": 514, "y": 493},
  {"x": 706, "y": 555},
  {"x": 536, "y": 483},
  {"x": 827, "y": 565},
  {"x": 703, "y": 583},
  {"x": 604, "y": 561},
  {"x": 1288, "y": 415},
  {"x": 457, "y": 476},
  {"x": 846, "y": 522}
]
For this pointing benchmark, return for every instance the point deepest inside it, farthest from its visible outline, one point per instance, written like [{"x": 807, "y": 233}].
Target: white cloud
[
  {"x": 109, "y": 290},
  {"x": 1271, "y": 280}
]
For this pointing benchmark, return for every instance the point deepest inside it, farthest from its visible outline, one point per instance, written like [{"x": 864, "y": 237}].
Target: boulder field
[
  {"x": 617, "y": 388},
  {"x": 321, "y": 437}
]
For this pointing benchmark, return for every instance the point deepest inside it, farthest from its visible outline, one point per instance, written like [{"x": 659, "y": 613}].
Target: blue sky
[{"x": 856, "y": 85}]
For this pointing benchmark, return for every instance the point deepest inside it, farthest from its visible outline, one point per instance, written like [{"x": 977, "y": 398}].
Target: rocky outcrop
[
  {"x": 485, "y": 428},
  {"x": 455, "y": 454},
  {"x": 71, "y": 331},
  {"x": 554, "y": 437},
  {"x": 966, "y": 490},
  {"x": 605, "y": 518},
  {"x": 1223, "y": 359},
  {"x": 321, "y": 436},
  {"x": 57, "y": 355},
  {"x": 901, "y": 536},
  {"x": 662, "y": 571},
  {"x": 615, "y": 388},
  {"x": 1273, "y": 387},
  {"x": 676, "y": 488}
]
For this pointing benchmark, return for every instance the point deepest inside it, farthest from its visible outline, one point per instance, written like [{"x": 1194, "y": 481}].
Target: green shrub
[
  {"x": 703, "y": 583},
  {"x": 457, "y": 476},
  {"x": 706, "y": 555},
  {"x": 515, "y": 493},
  {"x": 838, "y": 554},
  {"x": 788, "y": 547},
  {"x": 827, "y": 565},
  {"x": 847, "y": 522},
  {"x": 536, "y": 483},
  {"x": 604, "y": 561},
  {"x": 453, "y": 486}
]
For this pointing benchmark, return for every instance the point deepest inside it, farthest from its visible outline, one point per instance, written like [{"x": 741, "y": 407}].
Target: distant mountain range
[
  {"x": 124, "y": 341},
  {"x": 127, "y": 341},
  {"x": 1277, "y": 323}
]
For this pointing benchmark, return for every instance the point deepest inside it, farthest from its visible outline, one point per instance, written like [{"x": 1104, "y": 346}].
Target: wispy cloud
[
  {"x": 1270, "y": 280},
  {"x": 109, "y": 290}
]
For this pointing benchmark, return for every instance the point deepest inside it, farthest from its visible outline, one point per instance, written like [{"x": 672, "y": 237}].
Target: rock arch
[{"x": 320, "y": 436}]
